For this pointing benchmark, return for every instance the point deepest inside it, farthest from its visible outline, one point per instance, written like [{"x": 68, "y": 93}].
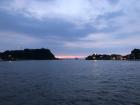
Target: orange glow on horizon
[{"x": 69, "y": 57}]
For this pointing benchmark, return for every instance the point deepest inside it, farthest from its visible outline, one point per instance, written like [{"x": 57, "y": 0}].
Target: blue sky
[{"x": 70, "y": 27}]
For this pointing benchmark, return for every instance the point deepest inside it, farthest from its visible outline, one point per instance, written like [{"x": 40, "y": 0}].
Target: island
[
  {"x": 27, "y": 54},
  {"x": 135, "y": 55}
]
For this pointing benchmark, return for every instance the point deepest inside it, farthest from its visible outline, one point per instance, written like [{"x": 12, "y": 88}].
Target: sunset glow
[{"x": 69, "y": 57}]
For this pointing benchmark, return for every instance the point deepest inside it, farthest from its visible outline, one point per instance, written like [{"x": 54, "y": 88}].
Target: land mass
[
  {"x": 135, "y": 55},
  {"x": 46, "y": 54},
  {"x": 27, "y": 54}
]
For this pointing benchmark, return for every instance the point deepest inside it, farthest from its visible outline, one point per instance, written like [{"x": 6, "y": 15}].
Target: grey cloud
[{"x": 48, "y": 27}]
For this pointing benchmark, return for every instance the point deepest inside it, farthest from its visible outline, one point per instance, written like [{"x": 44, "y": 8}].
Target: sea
[{"x": 69, "y": 82}]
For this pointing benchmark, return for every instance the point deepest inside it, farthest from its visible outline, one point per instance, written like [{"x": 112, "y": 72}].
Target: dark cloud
[{"x": 38, "y": 28}]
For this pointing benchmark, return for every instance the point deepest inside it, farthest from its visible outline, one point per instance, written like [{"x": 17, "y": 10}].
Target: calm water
[{"x": 70, "y": 82}]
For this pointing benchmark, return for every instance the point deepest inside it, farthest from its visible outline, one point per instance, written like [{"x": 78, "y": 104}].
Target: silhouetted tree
[{"x": 135, "y": 54}]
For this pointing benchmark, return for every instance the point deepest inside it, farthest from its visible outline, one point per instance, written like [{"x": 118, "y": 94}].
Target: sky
[{"x": 70, "y": 27}]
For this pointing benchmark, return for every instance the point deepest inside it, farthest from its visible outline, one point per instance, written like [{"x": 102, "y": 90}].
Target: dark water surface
[{"x": 70, "y": 82}]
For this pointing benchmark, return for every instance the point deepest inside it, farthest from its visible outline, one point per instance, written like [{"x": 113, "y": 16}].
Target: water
[{"x": 70, "y": 82}]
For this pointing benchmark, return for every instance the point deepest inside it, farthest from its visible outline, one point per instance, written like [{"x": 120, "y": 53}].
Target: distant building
[{"x": 116, "y": 57}]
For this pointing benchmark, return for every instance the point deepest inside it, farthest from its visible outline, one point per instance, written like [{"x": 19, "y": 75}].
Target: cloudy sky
[{"x": 70, "y": 27}]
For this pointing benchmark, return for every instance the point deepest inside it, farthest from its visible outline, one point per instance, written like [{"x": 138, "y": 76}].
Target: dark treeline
[
  {"x": 135, "y": 55},
  {"x": 27, "y": 54}
]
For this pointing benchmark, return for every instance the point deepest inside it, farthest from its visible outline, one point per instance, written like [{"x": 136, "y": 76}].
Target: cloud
[
  {"x": 70, "y": 25},
  {"x": 36, "y": 28},
  {"x": 76, "y": 11},
  {"x": 105, "y": 40}
]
